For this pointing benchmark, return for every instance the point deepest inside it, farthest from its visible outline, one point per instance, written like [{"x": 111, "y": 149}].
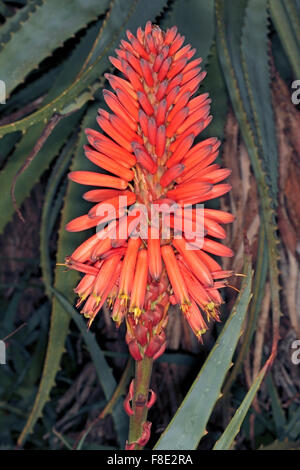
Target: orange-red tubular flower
[
  {"x": 106, "y": 273},
  {"x": 175, "y": 277},
  {"x": 196, "y": 265},
  {"x": 112, "y": 205},
  {"x": 195, "y": 320},
  {"x": 147, "y": 151},
  {"x": 83, "y": 252},
  {"x": 97, "y": 179},
  {"x": 108, "y": 164},
  {"x": 128, "y": 268},
  {"x": 139, "y": 284},
  {"x": 82, "y": 223},
  {"x": 154, "y": 254},
  {"x": 99, "y": 195}
]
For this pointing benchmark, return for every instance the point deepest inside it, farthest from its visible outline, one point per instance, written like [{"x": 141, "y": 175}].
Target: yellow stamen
[
  {"x": 185, "y": 307},
  {"x": 136, "y": 312},
  {"x": 210, "y": 306},
  {"x": 98, "y": 298},
  {"x": 201, "y": 332},
  {"x": 232, "y": 287}
]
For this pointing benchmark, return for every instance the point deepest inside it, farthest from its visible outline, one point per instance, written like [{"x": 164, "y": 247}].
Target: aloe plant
[{"x": 54, "y": 66}]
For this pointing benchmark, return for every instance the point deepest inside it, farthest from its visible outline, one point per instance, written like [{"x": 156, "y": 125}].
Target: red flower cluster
[{"x": 146, "y": 146}]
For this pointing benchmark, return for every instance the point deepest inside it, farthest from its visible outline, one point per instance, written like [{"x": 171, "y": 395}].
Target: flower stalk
[{"x": 137, "y": 428}]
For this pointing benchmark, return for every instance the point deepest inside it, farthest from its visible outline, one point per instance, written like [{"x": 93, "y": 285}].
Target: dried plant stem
[
  {"x": 143, "y": 371},
  {"x": 27, "y": 109}
]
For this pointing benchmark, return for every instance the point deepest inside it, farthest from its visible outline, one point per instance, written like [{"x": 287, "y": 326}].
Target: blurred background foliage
[{"x": 62, "y": 386}]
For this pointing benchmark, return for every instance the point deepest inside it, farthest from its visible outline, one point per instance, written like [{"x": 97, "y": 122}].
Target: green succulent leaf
[
  {"x": 41, "y": 163},
  {"x": 14, "y": 23},
  {"x": 7, "y": 145},
  {"x": 60, "y": 320},
  {"x": 286, "y": 18},
  {"x": 22, "y": 53},
  {"x": 48, "y": 215},
  {"x": 233, "y": 428},
  {"x": 121, "y": 15},
  {"x": 292, "y": 428},
  {"x": 237, "y": 82},
  {"x": 214, "y": 84},
  {"x": 255, "y": 61},
  {"x": 189, "y": 423},
  {"x": 188, "y": 15},
  {"x": 261, "y": 271},
  {"x": 51, "y": 148},
  {"x": 277, "y": 410}
]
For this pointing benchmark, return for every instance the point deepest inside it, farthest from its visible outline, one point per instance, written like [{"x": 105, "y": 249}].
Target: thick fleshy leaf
[
  {"x": 55, "y": 192},
  {"x": 122, "y": 15},
  {"x": 228, "y": 436},
  {"x": 14, "y": 23},
  {"x": 257, "y": 71},
  {"x": 189, "y": 423},
  {"x": 245, "y": 108},
  {"x": 260, "y": 276},
  {"x": 195, "y": 20},
  {"x": 31, "y": 176},
  {"x": 286, "y": 18},
  {"x": 60, "y": 320},
  {"x": 215, "y": 86},
  {"x": 54, "y": 143},
  {"x": 53, "y": 24},
  {"x": 277, "y": 410}
]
